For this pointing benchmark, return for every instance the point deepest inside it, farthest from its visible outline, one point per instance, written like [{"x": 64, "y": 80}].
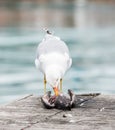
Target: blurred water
[{"x": 91, "y": 43}]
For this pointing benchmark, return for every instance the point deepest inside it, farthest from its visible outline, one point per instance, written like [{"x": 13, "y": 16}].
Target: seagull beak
[{"x": 56, "y": 91}]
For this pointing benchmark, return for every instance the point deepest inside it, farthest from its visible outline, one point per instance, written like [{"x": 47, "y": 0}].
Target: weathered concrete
[{"x": 28, "y": 114}]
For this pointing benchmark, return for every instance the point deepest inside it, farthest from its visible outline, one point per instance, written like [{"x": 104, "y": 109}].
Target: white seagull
[{"x": 53, "y": 60}]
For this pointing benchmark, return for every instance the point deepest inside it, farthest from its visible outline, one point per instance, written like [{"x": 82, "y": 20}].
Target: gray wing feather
[{"x": 51, "y": 44}]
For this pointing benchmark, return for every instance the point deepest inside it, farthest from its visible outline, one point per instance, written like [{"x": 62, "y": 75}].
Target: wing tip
[{"x": 47, "y": 31}]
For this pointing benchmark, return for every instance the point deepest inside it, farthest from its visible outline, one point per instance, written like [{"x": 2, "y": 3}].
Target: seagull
[{"x": 53, "y": 60}]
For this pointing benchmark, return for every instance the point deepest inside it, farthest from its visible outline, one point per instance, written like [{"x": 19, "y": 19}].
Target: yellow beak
[{"x": 56, "y": 91}]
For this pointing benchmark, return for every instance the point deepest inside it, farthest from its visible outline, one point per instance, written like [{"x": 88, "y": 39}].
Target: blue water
[{"x": 92, "y": 51}]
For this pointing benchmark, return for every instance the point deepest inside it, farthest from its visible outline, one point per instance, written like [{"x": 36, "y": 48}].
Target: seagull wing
[{"x": 51, "y": 44}]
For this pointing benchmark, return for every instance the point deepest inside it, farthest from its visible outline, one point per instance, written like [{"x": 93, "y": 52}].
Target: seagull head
[{"x": 53, "y": 76}]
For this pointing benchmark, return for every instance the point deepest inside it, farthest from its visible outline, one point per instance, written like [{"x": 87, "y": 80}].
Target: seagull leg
[
  {"x": 45, "y": 84},
  {"x": 60, "y": 85}
]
